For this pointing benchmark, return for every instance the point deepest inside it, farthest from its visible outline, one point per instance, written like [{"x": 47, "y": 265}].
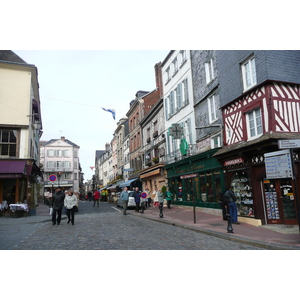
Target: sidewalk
[{"x": 284, "y": 238}]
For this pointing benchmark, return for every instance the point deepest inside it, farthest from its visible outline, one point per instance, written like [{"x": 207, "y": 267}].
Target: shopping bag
[{"x": 50, "y": 211}]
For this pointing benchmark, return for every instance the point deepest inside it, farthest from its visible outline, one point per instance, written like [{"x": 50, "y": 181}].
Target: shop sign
[
  {"x": 233, "y": 161},
  {"x": 278, "y": 164},
  {"x": 288, "y": 144},
  {"x": 188, "y": 176}
]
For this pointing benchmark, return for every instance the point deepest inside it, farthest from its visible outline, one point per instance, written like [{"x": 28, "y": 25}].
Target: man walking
[
  {"x": 57, "y": 205},
  {"x": 124, "y": 197},
  {"x": 230, "y": 202},
  {"x": 160, "y": 197},
  {"x": 96, "y": 198}
]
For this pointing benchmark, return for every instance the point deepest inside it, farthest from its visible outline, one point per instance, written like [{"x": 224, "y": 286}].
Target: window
[
  {"x": 212, "y": 109},
  {"x": 167, "y": 75},
  {"x": 174, "y": 66},
  {"x": 8, "y": 142},
  {"x": 215, "y": 141},
  {"x": 209, "y": 71},
  {"x": 254, "y": 123},
  {"x": 249, "y": 73},
  {"x": 185, "y": 92},
  {"x": 179, "y": 96},
  {"x": 182, "y": 56}
]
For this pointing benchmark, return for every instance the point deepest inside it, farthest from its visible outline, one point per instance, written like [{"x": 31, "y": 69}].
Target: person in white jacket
[{"x": 70, "y": 201}]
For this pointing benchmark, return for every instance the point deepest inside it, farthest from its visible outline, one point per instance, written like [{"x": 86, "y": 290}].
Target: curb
[{"x": 225, "y": 236}]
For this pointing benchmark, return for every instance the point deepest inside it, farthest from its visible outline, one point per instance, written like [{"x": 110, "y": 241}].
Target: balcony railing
[
  {"x": 176, "y": 156},
  {"x": 58, "y": 169}
]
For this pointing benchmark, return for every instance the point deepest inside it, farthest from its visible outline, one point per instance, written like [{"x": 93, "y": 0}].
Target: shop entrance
[{"x": 280, "y": 202}]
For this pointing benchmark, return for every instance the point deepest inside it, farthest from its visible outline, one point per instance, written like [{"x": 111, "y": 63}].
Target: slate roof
[{"x": 10, "y": 56}]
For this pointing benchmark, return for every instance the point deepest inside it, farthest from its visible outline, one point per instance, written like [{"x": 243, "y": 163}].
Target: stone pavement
[{"x": 276, "y": 237}]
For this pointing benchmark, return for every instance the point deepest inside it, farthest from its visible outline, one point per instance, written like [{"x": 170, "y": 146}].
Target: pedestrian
[
  {"x": 160, "y": 197},
  {"x": 90, "y": 196},
  {"x": 125, "y": 197},
  {"x": 155, "y": 199},
  {"x": 222, "y": 203},
  {"x": 148, "y": 197},
  {"x": 142, "y": 205},
  {"x": 96, "y": 198},
  {"x": 231, "y": 204},
  {"x": 137, "y": 199},
  {"x": 70, "y": 201},
  {"x": 169, "y": 196},
  {"x": 57, "y": 205}
]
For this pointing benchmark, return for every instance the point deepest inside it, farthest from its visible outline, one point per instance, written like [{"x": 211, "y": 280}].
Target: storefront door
[{"x": 280, "y": 202}]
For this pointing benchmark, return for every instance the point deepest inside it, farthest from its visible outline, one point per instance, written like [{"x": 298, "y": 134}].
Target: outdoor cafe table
[{"x": 17, "y": 208}]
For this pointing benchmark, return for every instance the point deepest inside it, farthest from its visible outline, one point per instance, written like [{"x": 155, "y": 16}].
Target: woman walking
[{"x": 70, "y": 202}]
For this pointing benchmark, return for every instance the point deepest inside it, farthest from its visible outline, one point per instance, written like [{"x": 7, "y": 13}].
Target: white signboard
[
  {"x": 288, "y": 144},
  {"x": 278, "y": 164}
]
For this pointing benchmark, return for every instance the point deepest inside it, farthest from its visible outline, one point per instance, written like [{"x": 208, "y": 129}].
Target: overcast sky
[{"x": 76, "y": 84}]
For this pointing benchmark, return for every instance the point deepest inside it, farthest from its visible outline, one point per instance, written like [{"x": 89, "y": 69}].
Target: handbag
[{"x": 76, "y": 209}]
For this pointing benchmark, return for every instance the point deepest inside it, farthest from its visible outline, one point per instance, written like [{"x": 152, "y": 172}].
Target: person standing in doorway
[
  {"x": 230, "y": 200},
  {"x": 70, "y": 201},
  {"x": 160, "y": 197},
  {"x": 137, "y": 199},
  {"x": 57, "y": 205},
  {"x": 125, "y": 197},
  {"x": 96, "y": 198}
]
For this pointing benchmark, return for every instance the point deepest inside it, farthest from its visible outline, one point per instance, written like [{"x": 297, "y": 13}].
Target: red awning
[{"x": 12, "y": 167}]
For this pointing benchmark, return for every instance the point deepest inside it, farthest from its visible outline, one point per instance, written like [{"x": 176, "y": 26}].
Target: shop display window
[{"x": 243, "y": 192}]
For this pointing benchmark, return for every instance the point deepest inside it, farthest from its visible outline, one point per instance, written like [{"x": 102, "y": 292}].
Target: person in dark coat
[
  {"x": 57, "y": 205},
  {"x": 231, "y": 205},
  {"x": 137, "y": 199}
]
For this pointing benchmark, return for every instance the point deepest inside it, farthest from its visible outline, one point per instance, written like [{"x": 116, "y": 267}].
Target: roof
[
  {"x": 10, "y": 56},
  {"x": 65, "y": 140}
]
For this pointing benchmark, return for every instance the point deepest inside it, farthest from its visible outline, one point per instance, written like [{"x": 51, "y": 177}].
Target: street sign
[
  {"x": 288, "y": 144},
  {"x": 52, "y": 177},
  {"x": 278, "y": 164}
]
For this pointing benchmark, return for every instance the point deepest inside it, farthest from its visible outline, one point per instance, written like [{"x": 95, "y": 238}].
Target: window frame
[
  {"x": 209, "y": 71},
  {"x": 10, "y": 143},
  {"x": 252, "y": 73},
  {"x": 210, "y": 112},
  {"x": 254, "y": 120}
]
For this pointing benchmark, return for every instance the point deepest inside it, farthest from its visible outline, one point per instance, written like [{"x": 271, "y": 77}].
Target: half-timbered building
[{"x": 260, "y": 102}]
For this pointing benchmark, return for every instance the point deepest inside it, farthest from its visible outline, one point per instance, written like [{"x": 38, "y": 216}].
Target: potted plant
[{"x": 155, "y": 159}]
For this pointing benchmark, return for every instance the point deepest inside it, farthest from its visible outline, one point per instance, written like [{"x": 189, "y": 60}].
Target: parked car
[{"x": 131, "y": 202}]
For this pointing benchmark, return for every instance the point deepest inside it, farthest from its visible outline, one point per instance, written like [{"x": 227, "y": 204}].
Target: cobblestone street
[{"x": 114, "y": 231}]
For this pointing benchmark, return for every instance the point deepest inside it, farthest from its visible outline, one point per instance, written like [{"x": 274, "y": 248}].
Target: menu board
[{"x": 272, "y": 205}]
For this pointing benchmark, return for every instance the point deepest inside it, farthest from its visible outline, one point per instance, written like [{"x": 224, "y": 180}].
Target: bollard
[
  {"x": 161, "y": 215},
  {"x": 229, "y": 226}
]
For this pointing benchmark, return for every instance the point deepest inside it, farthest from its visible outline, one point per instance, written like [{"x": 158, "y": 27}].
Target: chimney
[
  {"x": 158, "y": 78},
  {"x": 62, "y": 138}
]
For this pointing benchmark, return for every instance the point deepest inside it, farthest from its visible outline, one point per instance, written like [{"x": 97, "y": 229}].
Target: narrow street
[{"x": 106, "y": 228}]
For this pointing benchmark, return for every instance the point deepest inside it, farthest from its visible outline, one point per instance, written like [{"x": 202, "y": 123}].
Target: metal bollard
[
  {"x": 161, "y": 215},
  {"x": 229, "y": 225}
]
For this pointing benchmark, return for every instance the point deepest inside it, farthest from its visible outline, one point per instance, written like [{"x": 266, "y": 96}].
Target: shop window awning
[
  {"x": 113, "y": 187},
  {"x": 127, "y": 183},
  {"x": 103, "y": 188},
  {"x": 12, "y": 167}
]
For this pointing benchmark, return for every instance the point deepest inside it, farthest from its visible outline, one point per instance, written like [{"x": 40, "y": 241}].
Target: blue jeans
[{"x": 232, "y": 211}]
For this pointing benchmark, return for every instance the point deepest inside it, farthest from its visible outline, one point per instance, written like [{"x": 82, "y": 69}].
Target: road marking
[{"x": 115, "y": 208}]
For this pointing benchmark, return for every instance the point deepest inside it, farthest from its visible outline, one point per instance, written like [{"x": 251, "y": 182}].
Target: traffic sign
[
  {"x": 288, "y": 144},
  {"x": 52, "y": 177}
]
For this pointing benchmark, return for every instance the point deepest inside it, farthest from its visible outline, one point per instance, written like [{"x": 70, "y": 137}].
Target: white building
[
  {"x": 60, "y": 157},
  {"x": 178, "y": 103}
]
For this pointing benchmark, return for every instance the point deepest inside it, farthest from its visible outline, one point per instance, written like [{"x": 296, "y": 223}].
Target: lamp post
[{"x": 58, "y": 177}]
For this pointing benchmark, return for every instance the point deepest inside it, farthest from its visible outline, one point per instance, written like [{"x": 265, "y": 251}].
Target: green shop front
[{"x": 198, "y": 178}]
